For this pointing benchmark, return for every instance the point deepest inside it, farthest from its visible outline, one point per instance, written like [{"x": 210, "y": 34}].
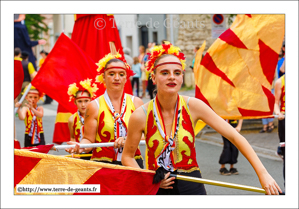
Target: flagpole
[
  {"x": 78, "y": 155},
  {"x": 93, "y": 145},
  {"x": 219, "y": 183},
  {"x": 23, "y": 97}
]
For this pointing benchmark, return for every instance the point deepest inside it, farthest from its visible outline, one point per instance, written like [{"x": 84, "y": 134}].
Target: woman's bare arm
[
  {"x": 90, "y": 129},
  {"x": 135, "y": 129},
  {"x": 199, "y": 110}
]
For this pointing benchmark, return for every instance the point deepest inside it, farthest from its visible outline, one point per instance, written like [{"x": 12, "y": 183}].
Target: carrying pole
[{"x": 219, "y": 183}]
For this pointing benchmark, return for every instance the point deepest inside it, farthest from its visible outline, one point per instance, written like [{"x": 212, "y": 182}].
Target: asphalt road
[{"x": 207, "y": 157}]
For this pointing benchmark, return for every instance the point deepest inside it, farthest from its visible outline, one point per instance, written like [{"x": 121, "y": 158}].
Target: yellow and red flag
[
  {"x": 37, "y": 168},
  {"x": 235, "y": 76}
]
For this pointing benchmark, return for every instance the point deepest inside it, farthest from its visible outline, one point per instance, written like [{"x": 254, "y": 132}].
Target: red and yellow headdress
[
  {"x": 102, "y": 63},
  {"x": 160, "y": 50},
  {"x": 40, "y": 94},
  {"x": 86, "y": 85}
]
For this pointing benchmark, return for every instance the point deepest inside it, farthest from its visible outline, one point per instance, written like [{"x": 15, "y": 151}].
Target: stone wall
[{"x": 192, "y": 31}]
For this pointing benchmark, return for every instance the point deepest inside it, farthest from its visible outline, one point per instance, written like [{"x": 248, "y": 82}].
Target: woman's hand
[
  {"x": 238, "y": 129},
  {"x": 75, "y": 150},
  {"x": 29, "y": 105},
  {"x": 18, "y": 104},
  {"x": 269, "y": 184},
  {"x": 280, "y": 116},
  {"x": 166, "y": 182},
  {"x": 120, "y": 142}
]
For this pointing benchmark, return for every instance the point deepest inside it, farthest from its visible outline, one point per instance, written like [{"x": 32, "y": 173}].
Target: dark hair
[
  {"x": 24, "y": 55},
  {"x": 197, "y": 47},
  {"x": 163, "y": 41},
  {"x": 17, "y": 51},
  {"x": 80, "y": 92},
  {"x": 113, "y": 60},
  {"x": 42, "y": 52}
]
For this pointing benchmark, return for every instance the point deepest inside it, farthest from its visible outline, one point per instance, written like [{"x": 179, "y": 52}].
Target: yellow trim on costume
[
  {"x": 138, "y": 157},
  {"x": 102, "y": 158},
  {"x": 18, "y": 58},
  {"x": 190, "y": 170},
  {"x": 62, "y": 117},
  {"x": 30, "y": 68}
]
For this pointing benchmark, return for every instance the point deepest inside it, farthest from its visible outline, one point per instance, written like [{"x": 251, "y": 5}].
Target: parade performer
[
  {"x": 81, "y": 93},
  {"x": 32, "y": 116},
  {"x": 229, "y": 154},
  {"x": 106, "y": 118},
  {"x": 279, "y": 109},
  {"x": 168, "y": 121}
]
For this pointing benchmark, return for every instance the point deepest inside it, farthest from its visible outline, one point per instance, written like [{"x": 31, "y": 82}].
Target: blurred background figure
[
  {"x": 280, "y": 68},
  {"x": 22, "y": 40},
  {"x": 279, "y": 109},
  {"x": 230, "y": 152},
  {"x": 137, "y": 70},
  {"x": 29, "y": 72},
  {"x": 142, "y": 59},
  {"x": 43, "y": 54},
  {"x": 127, "y": 53},
  {"x": 141, "y": 53},
  {"x": 150, "y": 85},
  {"x": 196, "y": 48}
]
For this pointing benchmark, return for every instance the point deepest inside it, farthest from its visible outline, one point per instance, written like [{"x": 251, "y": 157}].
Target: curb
[{"x": 261, "y": 152}]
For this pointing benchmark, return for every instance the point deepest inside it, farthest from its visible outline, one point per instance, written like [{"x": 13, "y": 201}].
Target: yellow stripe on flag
[
  {"x": 62, "y": 117},
  {"x": 199, "y": 126}
]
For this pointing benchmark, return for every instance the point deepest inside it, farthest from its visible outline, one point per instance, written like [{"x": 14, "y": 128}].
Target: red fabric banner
[
  {"x": 65, "y": 64},
  {"x": 18, "y": 77},
  {"x": 37, "y": 168}
]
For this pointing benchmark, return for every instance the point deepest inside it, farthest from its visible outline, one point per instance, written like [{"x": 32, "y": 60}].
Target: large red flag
[
  {"x": 37, "y": 168},
  {"x": 235, "y": 76},
  {"x": 65, "y": 64},
  {"x": 18, "y": 77},
  {"x": 92, "y": 33}
]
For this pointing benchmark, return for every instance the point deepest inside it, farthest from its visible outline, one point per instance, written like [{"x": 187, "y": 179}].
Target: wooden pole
[
  {"x": 218, "y": 183},
  {"x": 112, "y": 48}
]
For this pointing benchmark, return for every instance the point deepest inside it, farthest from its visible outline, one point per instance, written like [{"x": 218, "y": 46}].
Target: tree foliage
[
  {"x": 35, "y": 25},
  {"x": 231, "y": 18}
]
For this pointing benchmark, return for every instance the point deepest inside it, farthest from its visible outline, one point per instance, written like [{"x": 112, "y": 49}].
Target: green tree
[
  {"x": 35, "y": 26},
  {"x": 231, "y": 18}
]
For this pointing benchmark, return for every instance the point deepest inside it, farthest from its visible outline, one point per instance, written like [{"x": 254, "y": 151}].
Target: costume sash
[
  {"x": 34, "y": 133},
  {"x": 82, "y": 125},
  {"x": 164, "y": 159},
  {"x": 120, "y": 128},
  {"x": 282, "y": 97}
]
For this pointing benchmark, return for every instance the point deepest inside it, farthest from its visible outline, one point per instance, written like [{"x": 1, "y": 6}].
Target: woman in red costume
[
  {"x": 168, "y": 121},
  {"x": 81, "y": 93},
  {"x": 106, "y": 117}
]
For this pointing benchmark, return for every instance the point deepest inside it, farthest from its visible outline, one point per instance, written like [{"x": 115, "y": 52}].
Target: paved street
[{"x": 208, "y": 149}]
